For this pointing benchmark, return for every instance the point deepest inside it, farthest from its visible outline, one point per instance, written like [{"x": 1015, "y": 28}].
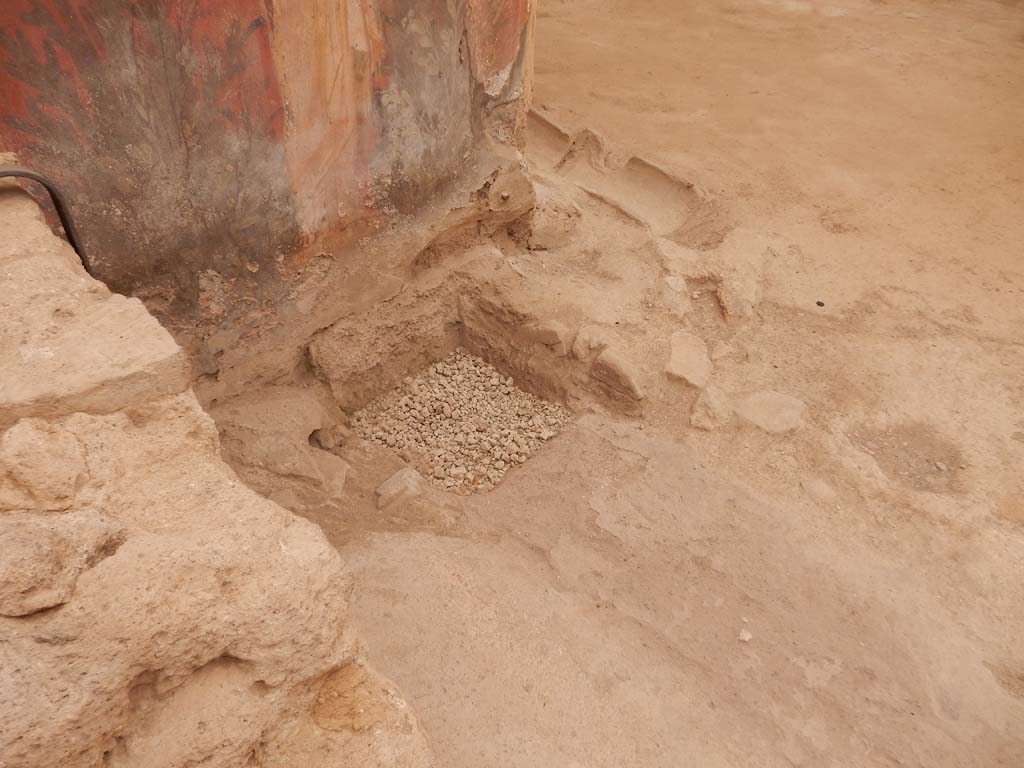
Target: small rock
[
  {"x": 402, "y": 487},
  {"x": 745, "y": 636},
  {"x": 772, "y": 412},
  {"x": 673, "y": 296},
  {"x": 739, "y": 294},
  {"x": 689, "y": 360},
  {"x": 590, "y": 341},
  {"x": 712, "y": 410},
  {"x": 550, "y": 333},
  {"x": 333, "y": 472},
  {"x": 617, "y": 372}
]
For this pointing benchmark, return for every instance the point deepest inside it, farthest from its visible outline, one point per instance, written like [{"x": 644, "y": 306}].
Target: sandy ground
[{"x": 852, "y": 594}]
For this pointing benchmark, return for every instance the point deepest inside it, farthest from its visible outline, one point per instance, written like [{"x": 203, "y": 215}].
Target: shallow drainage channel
[{"x": 461, "y": 423}]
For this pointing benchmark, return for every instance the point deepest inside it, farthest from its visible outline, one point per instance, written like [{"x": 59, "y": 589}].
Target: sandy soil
[{"x": 643, "y": 593}]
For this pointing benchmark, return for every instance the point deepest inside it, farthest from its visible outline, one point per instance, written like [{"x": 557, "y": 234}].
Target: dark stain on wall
[
  {"x": 168, "y": 125},
  {"x": 425, "y": 108},
  {"x": 163, "y": 120}
]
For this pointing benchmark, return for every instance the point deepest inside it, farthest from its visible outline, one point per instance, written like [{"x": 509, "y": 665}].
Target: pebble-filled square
[{"x": 461, "y": 423}]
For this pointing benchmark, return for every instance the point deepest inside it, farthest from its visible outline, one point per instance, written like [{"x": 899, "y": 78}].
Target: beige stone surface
[
  {"x": 154, "y": 611},
  {"x": 269, "y": 436},
  {"x": 42, "y": 556}
]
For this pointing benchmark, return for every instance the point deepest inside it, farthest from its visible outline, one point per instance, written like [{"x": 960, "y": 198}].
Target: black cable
[{"x": 61, "y": 206}]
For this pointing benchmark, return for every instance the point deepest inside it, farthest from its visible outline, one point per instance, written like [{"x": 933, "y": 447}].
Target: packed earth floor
[{"x": 666, "y": 588}]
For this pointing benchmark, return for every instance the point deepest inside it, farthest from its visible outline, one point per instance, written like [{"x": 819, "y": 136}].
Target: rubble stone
[
  {"x": 613, "y": 369},
  {"x": 689, "y": 360},
  {"x": 87, "y": 363},
  {"x": 402, "y": 487},
  {"x": 712, "y": 410}
]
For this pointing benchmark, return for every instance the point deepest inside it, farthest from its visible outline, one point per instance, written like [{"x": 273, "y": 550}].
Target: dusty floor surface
[{"x": 643, "y": 593}]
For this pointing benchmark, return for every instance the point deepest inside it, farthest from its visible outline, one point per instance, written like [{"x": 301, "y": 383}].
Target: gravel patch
[{"x": 461, "y": 423}]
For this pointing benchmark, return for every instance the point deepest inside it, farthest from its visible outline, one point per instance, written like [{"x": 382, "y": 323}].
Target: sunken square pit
[{"x": 461, "y": 423}]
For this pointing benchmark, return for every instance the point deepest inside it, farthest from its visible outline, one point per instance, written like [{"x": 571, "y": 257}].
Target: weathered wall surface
[
  {"x": 154, "y": 611},
  {"x": 225, "y": 137}
]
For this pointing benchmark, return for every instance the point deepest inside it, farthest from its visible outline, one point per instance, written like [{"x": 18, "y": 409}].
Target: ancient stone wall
[{"x": 154, "y": 611}]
